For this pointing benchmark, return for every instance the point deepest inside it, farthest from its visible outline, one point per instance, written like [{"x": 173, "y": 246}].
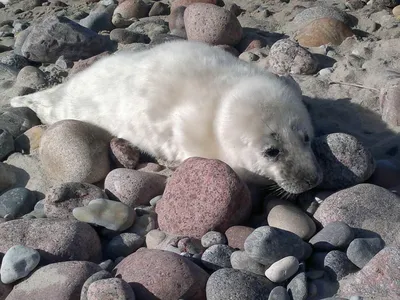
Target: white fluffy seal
[{"x": 184, "y": 99}]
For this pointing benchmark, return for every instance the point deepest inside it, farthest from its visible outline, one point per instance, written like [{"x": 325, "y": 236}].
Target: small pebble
[
  {"x": 191, "y": 246},
  {"x": 236, "y": 235},
  {"x": 18, "y": 262},
  {"x": 279, "y": 293},
  {"x": 213, "y": 238},
  {"x": 282, "y": 269},
  {"x": 335, "y": 235},
  {"x": 17, "y": 202},
  {"x": 6, "y": 143},
  {"x": 110, "y": 214},
  {"x": 96, "y": 276},
  {"x": 240, "y": 260},
  {"x": 297, "y": 287},
  {"x": 217, "y": 257},
  {"x": 362, "y": 250}
]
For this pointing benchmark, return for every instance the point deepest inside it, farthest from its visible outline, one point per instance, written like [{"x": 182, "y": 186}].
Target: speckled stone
[
  {"x": 111, "y": 288},
  {"x": 213, "y": 238},
  {"x": 132, "y": 9},
  {"x": 29, "y": 141},
  {"x": 240, "y": 260},
  {"x": 123, "y": 245},
  {"x": 297, "y": 287},
  {"x": 217, "y": 257},
  {"x": 17, "y": 202},
  {"x": 236, "y": 236},
  {"x": 184, "y": 3},
  {"x": 96, "y": 276}
]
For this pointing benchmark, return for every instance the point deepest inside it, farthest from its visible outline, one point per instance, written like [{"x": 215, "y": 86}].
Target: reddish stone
[
  {"x": 236, "y": 236},
  {"x": 203, "y": 195},
  {"x": 125, "y": 154},
  {"x": 82, "y": 64}
]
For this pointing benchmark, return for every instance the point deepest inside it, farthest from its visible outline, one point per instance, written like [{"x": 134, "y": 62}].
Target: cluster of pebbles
[{"x": 85, "y": 215}]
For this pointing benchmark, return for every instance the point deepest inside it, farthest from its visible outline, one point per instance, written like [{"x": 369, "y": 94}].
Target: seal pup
[{"x": 182, "y": 99}]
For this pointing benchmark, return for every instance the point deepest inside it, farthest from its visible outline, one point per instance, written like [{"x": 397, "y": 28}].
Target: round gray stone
[
  {"x": 217, "y": 257},
  {"x": 96, "y": 276},
  {"x": 279, "y": 293},
  {"x": 240, "y": 260},
  {"x": 297, "y": 287},
  {"x": 123, "y": 245},
  {"x": 17, "y": 202},
  {"x": 335, "y": 235},
  {"x": 362, "y": 250},
  {"x": 213, "y": 238}
]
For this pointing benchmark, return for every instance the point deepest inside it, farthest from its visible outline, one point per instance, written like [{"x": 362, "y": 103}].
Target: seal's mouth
[{"x": 301, "y": 186}]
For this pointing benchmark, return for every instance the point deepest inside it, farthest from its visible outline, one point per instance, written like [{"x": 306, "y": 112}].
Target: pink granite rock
[
  {"x": 157, "y": 274},
  {"x": 61, "y": 281},
  {"x": 56, "y": 240},
  {"x": 125, "y": 154},
  {"x": 134, "y": 187},
  {"x": 379, "y": 279},
  {"x": 236, "y": 236},
  {"x": 203, "y": 195},
  {"x": 110, "y": 289},
  {"x": 82, "y": 64},
  {"x": 212, "y": 24}
]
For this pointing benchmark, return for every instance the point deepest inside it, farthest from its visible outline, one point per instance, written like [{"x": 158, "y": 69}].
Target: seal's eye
[
  {"x": 271, "y": 152},
  {"x": 306, "y": 138}
]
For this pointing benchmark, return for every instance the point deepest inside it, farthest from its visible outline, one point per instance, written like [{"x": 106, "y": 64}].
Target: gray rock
[
  {"x": 56, "y": 36},
  {"x": 123, "y": 245},
  {"x": 237, "y": 285},
  {"x": 95, "y": 277},
  {"x": 190, "y": 246},
  {"x": 17, "y": 120},
  {"x": 297, "y": 287},
  {"x": 6, "y": 143},
  {"x": 13, "y": 60},
  {"x": 7, "y": 176},
  {"x": 62, "y": 198},
  {"x": 17, "y": 202},
  {"x": 337, "y": 265},
  {"x": 282, "y": 269},
  {"x": 100, "y": 18},
  {"x": 344, "y": 160},
  {"x": 240, "y": 260},
  {"x": 107, "y": 265},
  {"x": 124, "y": 36},
  {"x": 150, "y": 26},
  {"x": 144, "y": 224},
  {"x": 20, "y": 40},
  {"x": 279, "y": 293},
  {"x": 335, "y": 235},
  {"x": 18, "y": 262},
  {"x": 268, "y": 244},
  {"x": 217, "y": 257},
  {"x": 325, "y": 288},
  {"x": 362, "y": 250},
  {"x": 111, "y": 288},
  {"x": 365, "y": 206},
  {"x": 31, "y": 77},
  {"x": 288, "y": 57},
  {"x": 213, "y": 238}
]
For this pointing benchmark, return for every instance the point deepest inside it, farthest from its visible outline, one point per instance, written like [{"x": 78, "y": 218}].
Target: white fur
[{"x": 183, "y": 99}]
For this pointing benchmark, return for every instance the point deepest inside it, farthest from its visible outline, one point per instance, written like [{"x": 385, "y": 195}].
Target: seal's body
[{"x": 183, "y": 99}]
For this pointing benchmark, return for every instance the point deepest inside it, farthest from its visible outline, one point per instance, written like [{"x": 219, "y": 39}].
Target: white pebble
[{"x": 282, "y": 269}]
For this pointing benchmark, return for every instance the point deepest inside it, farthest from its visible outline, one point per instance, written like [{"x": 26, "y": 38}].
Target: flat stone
[
  {"x": 217, "y": 257},
  {"x": 362, "y": 250},
  {"x": 334, "y": 236},
  {"x": 282, "y": 269},
  {"x": 123, "y": 245},
  {"x": 240, "y": 260}
]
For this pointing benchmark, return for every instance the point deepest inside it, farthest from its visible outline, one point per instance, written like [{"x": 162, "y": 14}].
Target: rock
[
  {"x": 236, "y": 236},
  {"x": 396, "y": 12},
  {"x": 386, "y": 174},
  {"x": 75, "y": 151},
  {"x": 389, "y": 102},
  {"x": 29, "y": 141},
  {"x": 322, "y": 32},
  {"x": 217, "y": 257},
  {"x": 151, "y": 27},
  {"x": 18, "y": 262},
  {"x": 13, "y": 60},
  {"x": 132, "y": 9},
  {"x": 61, "y": 281},
  {"x": 240, "y": 260},
  {"x": 337, "y": 265},
  {"x": 111, "y": 288},
  {"x": 134, "y": 187},
  {"x": 80, "y": 65},
  {"x": 145, "y": 269},
  {"x": 6, "y": 144},
  {"x": 344, "y": 160},
  {"x": 362, "y": 250},
  {"x": 279, "y": 293},
  {"x": 17, "y": 120},
  {"x": 364, "y": 206},
  {"x": 96, "y": 276},
  {"x": 212, "y": 24},
  {"x": 107, "y": 265},
  {"x": 287, "y": 56},
  {"x": 184, "y": 3},
  {"x": 159, "y": 240},
  {"x": 56, "y": 240},
  {"x": 124, "y": 153},
  {"x": 194, "y": 247},
  {"x": 56, "y": 36},
  {"x": 268, "y": 244},
  {"x": 124, "y": 36},
  {"x": 110, "y": 214},
  {"x": 62, "y": 198},
  {"x": 176, "y": 19},
  {"x": 334, "y": 236},
  {"x": 378, "y": 279},
  {"x": 188, "y": 208},
  {"x": 123, "y": 245},
  {"x": 213, "y": 238},
  {"x": 144, "y": 224},
  {"x": 99, "y": 19},
  {"x": 5, "y": 289},
  {"x": 282, "y": 269},
  {"x": 237, "y": 285},
  {"x": 284, "y": 215},
  {"x": 297, "y": 287},
  {"x": 17, "y": 202},
  {"x": 31, "y": 77},
  {"x": 159, "y": 9}
]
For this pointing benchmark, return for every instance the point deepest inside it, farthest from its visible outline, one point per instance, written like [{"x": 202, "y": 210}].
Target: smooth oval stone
[
  {"x": 96, "y": 276},
  {"x": 213, "y": 238},
  {"x": 297, "y": 287},
  {"x": 282, "y": 269},
  {"x": 6, "y": 143},
  {"x": 111, "y": 288},
  {"x": 335, "y": 235},
  {"x": 337, "y": 265},
  {"x": 17, "y": 202},
  {"x": 123, "y": 245},
  {"x": 18, "y": 262},
  {"x": 284, "y": 215},
  {"x": 110, "y": 214},
  {"x": 240, "y": 260},
  {"x": 217, "y": 257},
  {"x": 362, "y": 250},
  {"x": 279, "y": 293}
]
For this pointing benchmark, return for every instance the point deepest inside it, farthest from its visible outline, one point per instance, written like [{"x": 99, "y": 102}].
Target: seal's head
[{"x": 266, "y": 133}]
